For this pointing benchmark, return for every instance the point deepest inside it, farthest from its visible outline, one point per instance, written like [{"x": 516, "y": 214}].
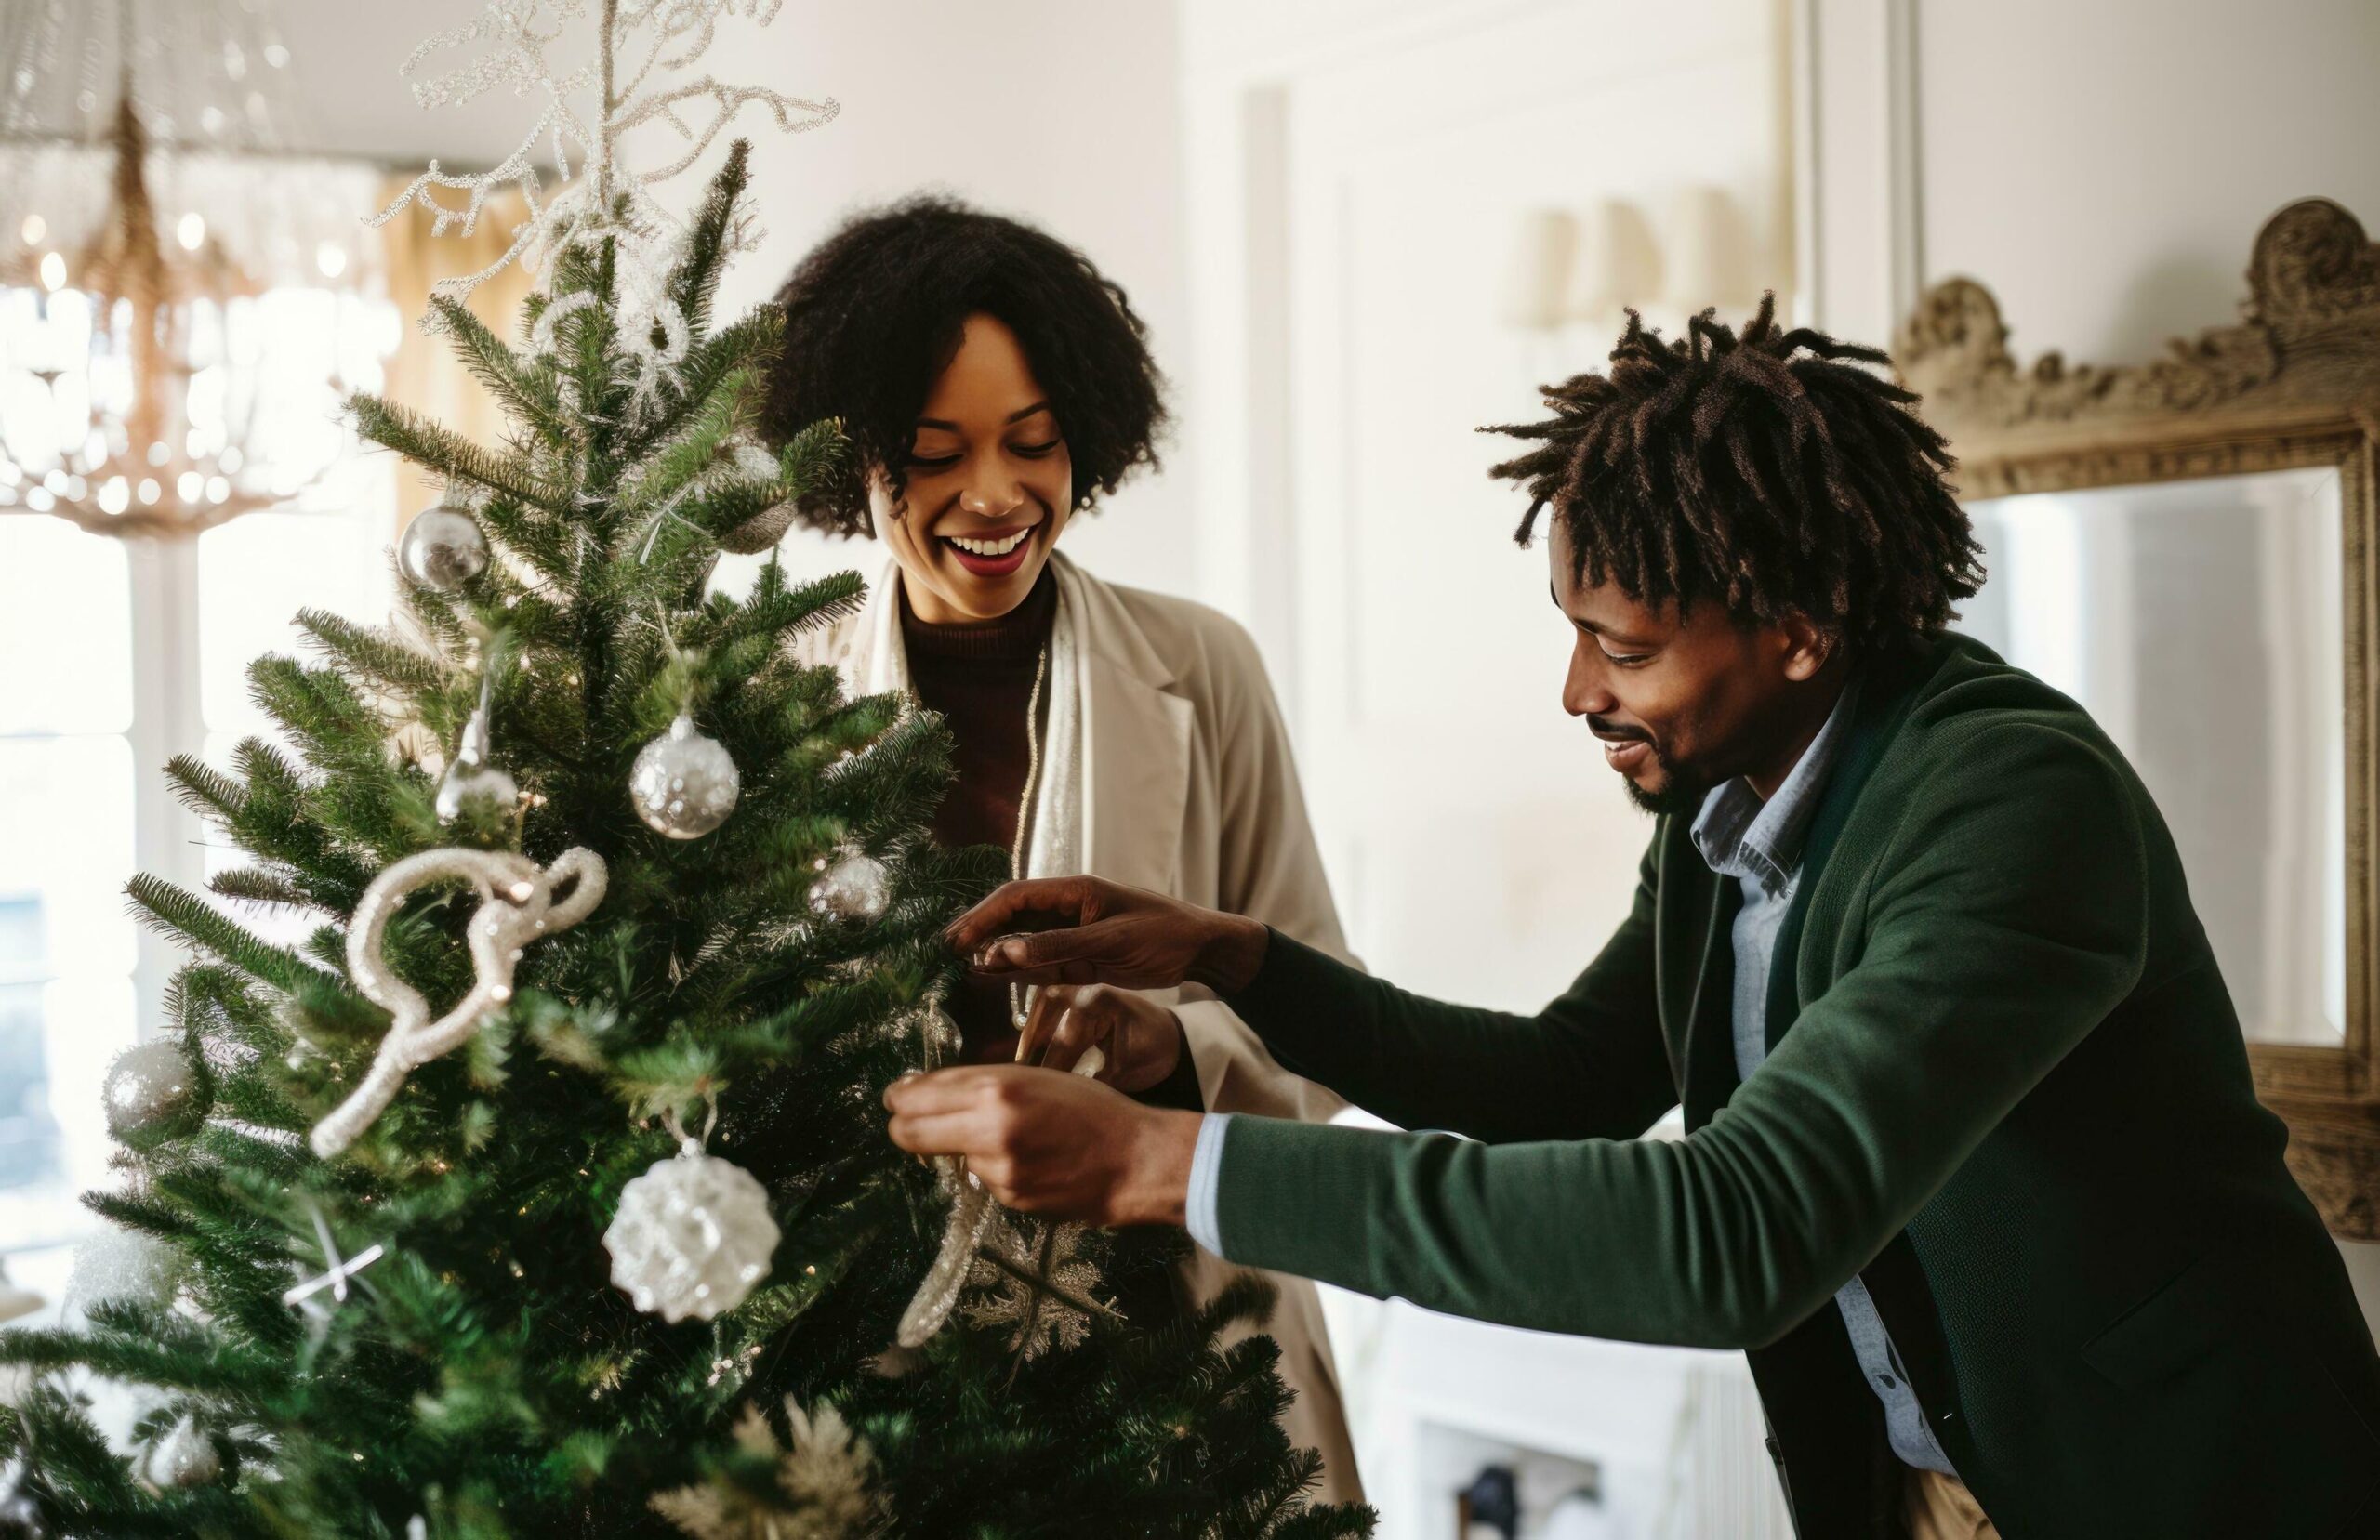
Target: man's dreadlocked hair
[{"x": 1767, "y": 470}]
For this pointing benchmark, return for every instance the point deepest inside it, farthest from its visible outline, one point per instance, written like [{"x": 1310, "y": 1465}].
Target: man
[{"x": 1974, "y": 1168}]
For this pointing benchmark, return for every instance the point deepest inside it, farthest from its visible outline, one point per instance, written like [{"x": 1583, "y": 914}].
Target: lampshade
[
  {"x": 1710, "y": 247},
  {"x": 1617, "y": 265}
]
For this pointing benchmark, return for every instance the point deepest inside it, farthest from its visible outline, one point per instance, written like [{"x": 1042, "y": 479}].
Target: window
[
  {"x": 67, "y": 947},
  {"x": 114, "y": 656}
]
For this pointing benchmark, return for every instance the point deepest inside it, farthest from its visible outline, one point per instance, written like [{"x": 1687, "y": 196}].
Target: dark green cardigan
[{"x": 2006, "y": 1085}]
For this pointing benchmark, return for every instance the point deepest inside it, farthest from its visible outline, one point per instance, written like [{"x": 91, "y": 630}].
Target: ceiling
[{"x": 346, "y": 55}]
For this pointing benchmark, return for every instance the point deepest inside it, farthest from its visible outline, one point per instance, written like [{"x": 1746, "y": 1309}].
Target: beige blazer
[{"x": 1188, "y": 789}]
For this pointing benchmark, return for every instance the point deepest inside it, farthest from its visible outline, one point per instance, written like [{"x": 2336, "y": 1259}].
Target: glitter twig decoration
[{"x": 607, "y": 199}]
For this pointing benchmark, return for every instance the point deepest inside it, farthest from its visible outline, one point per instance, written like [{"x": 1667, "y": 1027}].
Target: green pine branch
[
  {"x": 746, "y": 345},
  {"x": 176, "y": 912},
  {"x": 371, "y": 654},
  {"x": 449, "y": 453},
  {"x": 522, "y": 390},
  {"x": 695, "y": 282}
]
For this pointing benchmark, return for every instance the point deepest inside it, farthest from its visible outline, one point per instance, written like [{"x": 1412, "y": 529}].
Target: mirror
[
  {"x": 2198, "y": 622},
  {"x": 2185, "y": 547}
]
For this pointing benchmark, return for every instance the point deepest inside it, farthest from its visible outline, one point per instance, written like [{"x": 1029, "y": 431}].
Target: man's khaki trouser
[{"x": 1940, "y": 1508}]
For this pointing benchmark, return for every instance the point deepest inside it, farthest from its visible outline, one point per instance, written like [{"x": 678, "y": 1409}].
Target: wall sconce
[
  {"x": 1618, "y": 265},
  {"x": 1585, "y": 269},
  {"x": 1711, "y": 252}
]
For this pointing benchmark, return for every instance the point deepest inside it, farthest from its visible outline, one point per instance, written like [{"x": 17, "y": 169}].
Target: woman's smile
[{"x": 996, "y": 553}]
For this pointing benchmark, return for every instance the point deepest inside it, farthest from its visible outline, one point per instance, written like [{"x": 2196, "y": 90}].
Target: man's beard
[{"x": 1683, "y": 793}]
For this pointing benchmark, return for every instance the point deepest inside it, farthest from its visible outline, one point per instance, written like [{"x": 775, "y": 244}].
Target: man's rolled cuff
[{"x": 1206, "y": 1177}]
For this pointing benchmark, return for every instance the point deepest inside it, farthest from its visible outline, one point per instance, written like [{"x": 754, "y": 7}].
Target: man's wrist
[
  {"x": 1157, "y": 1185},
  {"x": 1230, "y": 959}
]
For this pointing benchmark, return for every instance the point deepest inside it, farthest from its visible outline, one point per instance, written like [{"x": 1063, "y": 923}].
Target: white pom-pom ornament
[{"x": 692, "y": 1237}]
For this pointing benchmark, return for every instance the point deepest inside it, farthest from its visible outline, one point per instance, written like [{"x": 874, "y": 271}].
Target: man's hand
[
  {"x": 1060, "y": 1145},
  {"x": 1090, "y": 932},
  {"x": 1141, "y": 1040}
]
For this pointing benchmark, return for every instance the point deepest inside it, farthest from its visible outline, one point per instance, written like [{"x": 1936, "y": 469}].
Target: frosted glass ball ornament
[
  {"x": 856, "y": 887},
  {"x": 691, "y": 1238},
  {"x": 122, "y": 1267},
  {"x": 684, "y": 784},
  {"x": 442, "y": 548},
  {"x": 155, "y": 1092},
  {"x": 183, "y": 1457}
]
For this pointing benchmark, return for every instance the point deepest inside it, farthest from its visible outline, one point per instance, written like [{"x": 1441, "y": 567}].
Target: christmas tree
[{"x": 543, "y": 1189}]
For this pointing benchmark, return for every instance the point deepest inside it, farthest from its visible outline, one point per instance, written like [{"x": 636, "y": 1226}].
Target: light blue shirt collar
[{"x": 1741, "y": 836}]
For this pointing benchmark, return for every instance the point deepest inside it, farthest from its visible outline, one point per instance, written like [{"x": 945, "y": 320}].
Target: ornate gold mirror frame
[{"x": 2295, "y": 384}]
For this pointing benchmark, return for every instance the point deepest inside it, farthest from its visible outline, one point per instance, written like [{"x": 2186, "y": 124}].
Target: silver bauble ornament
[
  {"x": 442, "y": 549},
  {"x": 154, "y": 1092},
  {"x": 122, "y": 1267},
  {"x": 683, "y": 784},
  {"x": 692, "y": 1236},
  {"x": 857, "y": 886},
  {"x": 472, "y": 777},
  {"x": 183, "y": 1457}
]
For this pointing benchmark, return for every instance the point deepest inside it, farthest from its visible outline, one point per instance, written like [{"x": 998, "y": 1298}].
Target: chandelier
[{"x": 144, "y": 368}]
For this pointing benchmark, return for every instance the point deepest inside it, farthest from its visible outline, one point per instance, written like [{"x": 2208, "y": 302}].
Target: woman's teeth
[{"x": 989, "y": 547}]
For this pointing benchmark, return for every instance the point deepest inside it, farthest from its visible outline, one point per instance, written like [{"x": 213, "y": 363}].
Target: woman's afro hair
[{"x": 874, "y": 313}]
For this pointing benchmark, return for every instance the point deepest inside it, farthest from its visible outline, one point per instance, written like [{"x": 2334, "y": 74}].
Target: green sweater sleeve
[
  {"x": 1593, "y": 1061},
  {"x": 2006, "y": 920}
]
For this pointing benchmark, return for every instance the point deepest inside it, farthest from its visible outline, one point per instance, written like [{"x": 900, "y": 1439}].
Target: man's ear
[{"x": 1808, "y": 646}]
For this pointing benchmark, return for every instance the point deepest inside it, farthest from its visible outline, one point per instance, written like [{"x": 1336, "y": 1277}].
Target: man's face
[{"x": 1682, "y": 701}]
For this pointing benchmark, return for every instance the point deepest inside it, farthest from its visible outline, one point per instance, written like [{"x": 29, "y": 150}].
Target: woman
[{"x": 994, "y": 385}]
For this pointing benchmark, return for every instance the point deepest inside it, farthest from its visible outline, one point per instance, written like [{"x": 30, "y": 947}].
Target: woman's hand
[
  {"x": 1140, "y": 1039},
  {"x": 1087, "y": 930},
  {"x": 1060, "y": 1145}
]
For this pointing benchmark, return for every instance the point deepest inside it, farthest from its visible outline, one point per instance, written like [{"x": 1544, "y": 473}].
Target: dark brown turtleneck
[{"x": 979, "y": 678}]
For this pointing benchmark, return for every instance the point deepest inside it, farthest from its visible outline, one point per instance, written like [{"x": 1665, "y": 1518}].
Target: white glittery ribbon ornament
[
  {"x": 971, "y": 1208},
  {"x": 517, "y": 906}
]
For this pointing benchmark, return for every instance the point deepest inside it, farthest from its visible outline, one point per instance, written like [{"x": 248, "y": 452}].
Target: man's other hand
[
  {"x": 1060, "y": 1145},
  {"x": 1085, "y": 931}
]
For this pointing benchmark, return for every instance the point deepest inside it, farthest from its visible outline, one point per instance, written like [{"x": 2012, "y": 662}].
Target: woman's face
[{"x": 988, "y": 484}]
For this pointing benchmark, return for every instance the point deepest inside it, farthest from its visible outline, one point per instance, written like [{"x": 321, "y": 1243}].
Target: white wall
[{"x": 1062, "y": 112}]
